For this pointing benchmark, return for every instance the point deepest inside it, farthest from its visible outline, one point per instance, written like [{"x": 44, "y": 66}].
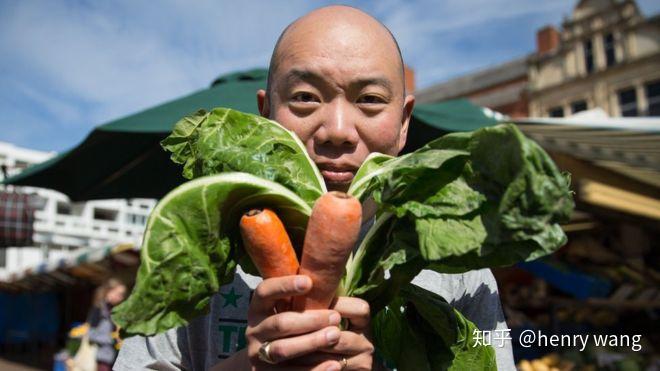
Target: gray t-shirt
[{"x": 212, "y": 338}]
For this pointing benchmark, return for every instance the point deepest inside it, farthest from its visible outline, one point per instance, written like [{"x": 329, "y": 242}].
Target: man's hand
[
  {"x": 308, "y": 340},
  {"x": 354, "y": 344}
]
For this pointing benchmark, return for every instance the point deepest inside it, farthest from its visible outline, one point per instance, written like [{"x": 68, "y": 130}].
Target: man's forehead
[
  {"x": 341, "y": 33},
  {"x": 312, "y": 75}
]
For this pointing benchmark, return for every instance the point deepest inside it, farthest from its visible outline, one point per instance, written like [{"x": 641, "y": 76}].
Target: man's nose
[{"x": 338, "y": 126}]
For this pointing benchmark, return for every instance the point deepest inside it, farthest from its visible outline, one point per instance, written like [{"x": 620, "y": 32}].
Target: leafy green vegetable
[
  {"x": 369, "y": 168},
  {"x": 482, "y": 199},
  {"x": 226, "y": 140},
  {"x": 418, "y": 330},
  {"x": 190, "y": 249},
  {"x": 464, "y": 201}
]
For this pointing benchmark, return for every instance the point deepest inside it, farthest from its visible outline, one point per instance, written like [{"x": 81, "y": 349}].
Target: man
[{"x": 336, "y": 80}]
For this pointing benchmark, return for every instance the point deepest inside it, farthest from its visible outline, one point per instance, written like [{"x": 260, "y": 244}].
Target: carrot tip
[{"x": 254, "y": 212}]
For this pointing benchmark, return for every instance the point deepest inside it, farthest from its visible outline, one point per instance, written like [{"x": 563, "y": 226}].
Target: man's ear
[
  {"x": 262, "y": 103},
  {"x": 408, "y": 104}
]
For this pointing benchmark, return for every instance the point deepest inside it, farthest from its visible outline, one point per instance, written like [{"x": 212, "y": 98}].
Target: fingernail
[
  {"x": 334, "y": 367},
  {"x": 334, "y": 319},
  {"x": 301, "y": 283},
  {"x": 332, "y": 335}
]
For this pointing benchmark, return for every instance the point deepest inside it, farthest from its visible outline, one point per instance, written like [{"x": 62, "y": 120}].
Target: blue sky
[{"x": 68, "y": 66}]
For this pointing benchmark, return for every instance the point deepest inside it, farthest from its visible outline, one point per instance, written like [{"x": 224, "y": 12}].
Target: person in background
[{"x": 102, "y": 330}]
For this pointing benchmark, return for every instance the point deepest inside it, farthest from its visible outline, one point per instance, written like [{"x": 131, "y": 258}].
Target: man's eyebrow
[
  {"x": 376, "y": 80},
  {"x": 312, "y": 77},
  {"x": 304, "y": 75}
]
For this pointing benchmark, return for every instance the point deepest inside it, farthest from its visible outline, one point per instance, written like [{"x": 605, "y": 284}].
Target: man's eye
[
  {"x": 304, "y": 97},
  {"x": 371, "y": 99}
]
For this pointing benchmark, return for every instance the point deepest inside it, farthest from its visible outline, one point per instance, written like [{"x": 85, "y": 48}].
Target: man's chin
[{"x": 337, "y": 186}]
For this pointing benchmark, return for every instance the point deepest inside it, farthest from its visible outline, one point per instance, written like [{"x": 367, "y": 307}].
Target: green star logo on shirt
[{"x": 231, "y": 298}]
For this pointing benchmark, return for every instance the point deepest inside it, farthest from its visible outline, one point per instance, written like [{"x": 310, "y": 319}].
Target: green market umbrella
[
  {"x": 123, "y": 158},
  {"x": 431, "y": 120}
]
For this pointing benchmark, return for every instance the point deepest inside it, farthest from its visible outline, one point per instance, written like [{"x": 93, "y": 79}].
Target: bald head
[
  {"x": 336, "y": 80},
  {"x": 336, "y": 24}
]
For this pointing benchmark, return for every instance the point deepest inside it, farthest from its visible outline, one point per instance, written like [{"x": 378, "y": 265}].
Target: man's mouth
[
  {"x": 334, "y": 176},
  {"x": 337, "y": 173}
]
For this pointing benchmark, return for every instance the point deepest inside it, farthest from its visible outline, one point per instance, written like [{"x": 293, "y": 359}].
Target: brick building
[{"x": 606, "y": 55}]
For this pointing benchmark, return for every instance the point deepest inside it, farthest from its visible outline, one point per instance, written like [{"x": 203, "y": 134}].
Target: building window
[
  {"x": 137, "y": 219},
  {"x": 610, "y": 56},
  {"x": 3, "y": 258},
  {"x": 105, "y": 214},
  {"x": 578, "y": 106},
  {"x": 63, "y": 208},
  {"x": 556, "y": 112},
  {"x": 628, "y": 102},
  {"x": 589, "y": 56},
  {"x": 653, "y": 98}
]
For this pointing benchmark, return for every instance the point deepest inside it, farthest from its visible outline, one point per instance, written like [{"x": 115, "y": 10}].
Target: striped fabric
[{"x": 16, "y": 219}]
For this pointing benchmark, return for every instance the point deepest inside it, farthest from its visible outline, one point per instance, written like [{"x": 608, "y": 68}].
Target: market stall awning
[
  {"x": 90, "y": 265},
  {"x": 124, "y": 159},
  {"x": 614, "y": 162}
]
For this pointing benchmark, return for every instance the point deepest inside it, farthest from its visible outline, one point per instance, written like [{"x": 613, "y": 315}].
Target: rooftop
[{"x": 475, "y": 81}]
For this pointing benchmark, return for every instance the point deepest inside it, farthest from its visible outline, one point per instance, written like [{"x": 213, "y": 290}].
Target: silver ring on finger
[
  {"x": 264, "y": 353},
  {"x": 344, "y": 364}
]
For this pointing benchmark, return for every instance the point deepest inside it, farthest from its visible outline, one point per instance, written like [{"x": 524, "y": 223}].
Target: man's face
[{"x": 343, "y": 95}]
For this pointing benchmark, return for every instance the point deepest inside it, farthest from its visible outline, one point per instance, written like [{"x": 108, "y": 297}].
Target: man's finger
[
  {"x": 357, "y": 362},
  {"x": 295, "y": 323},
  {"x": 317, "y": 358},
  {"x": 289, "y": 348},
  {"x": 356, "y": 310},
  {"x": 288, "y": 366},
  {"x": 350, "y": 343},
  {"x": 270, "y": 290}
]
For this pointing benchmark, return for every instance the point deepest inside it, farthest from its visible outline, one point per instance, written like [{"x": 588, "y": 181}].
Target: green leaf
[
  {"x": 482, "y": 199},
  {"x": 390, "y": 249},
  {"x": 225, "y": 140},
  {"x": 192, "y": 244},
  {"x": 369, "y": 169},
  {"x": 418, "y": 330},
  {"x": 398, "y": 340}
]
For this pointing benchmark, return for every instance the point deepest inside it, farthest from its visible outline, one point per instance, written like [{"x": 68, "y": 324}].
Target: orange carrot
[
  {"x": 266, "y": 241},
  {"x": 332, "y": 231}
]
